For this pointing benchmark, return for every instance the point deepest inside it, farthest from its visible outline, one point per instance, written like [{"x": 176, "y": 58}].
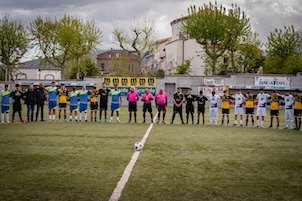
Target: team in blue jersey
[
  {"x": 52, "y": 100},
  {"x": 5, "y": 103}
]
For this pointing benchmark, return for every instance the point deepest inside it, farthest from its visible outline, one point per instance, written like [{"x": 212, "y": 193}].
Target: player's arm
[
  {"x": 120, "y": 99},
  {"x": 155, "y": 99},
  {"x": 166, "y": 103}
]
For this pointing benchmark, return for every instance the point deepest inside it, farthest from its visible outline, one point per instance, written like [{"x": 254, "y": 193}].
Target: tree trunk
[
  {"x": 78, "y": 69},
  {"x": 214, "y": 60},
  {"x": 233, "y": 62}
]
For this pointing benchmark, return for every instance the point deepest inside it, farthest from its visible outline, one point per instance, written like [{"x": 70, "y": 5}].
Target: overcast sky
[{"x": 265, "y": 15}]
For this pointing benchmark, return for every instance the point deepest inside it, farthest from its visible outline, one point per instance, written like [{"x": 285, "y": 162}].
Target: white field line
[{"x": 117, "y": 192}]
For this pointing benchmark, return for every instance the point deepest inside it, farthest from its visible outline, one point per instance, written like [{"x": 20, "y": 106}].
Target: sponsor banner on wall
[
  {"x": 130, "y": 81},
  {"x": 48, "y": 83},
  {"x": 212, "y": 82},
  {"x": 208, "y": 90},
  {"x": 266, "y": 81}
]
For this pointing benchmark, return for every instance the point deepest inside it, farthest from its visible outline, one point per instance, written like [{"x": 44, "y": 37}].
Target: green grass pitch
[{"x": 84, "y": 161}]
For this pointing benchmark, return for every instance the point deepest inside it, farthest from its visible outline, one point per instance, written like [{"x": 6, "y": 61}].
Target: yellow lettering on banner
[
  {"x": 130, "y": 81},
  {"x": 133, "y": 81},
  {"x": 124, "y": 82},
  {"x": 107, "y": 81},
  {"x": 115, "y": 81},
  {"x": 142, "y": 82}
]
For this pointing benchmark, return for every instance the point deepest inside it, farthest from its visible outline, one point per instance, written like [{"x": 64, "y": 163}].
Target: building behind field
[
  {"x": 36, "y": 70},
  {"x": 107, "y": 59}
]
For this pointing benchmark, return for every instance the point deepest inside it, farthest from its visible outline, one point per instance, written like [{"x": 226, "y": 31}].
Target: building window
[
  {"x": 49, "y": 77},
  {"x": 21, "y": 76},
  {"x": 117, "y": 55},
  {"x": 109, "y": 55},
  {"x": 102, "y": 66}
]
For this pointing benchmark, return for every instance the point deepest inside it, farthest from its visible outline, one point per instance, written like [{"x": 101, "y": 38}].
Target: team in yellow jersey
[
  {"x": 93, "y": 104},
  {"x": 274, "y": 107},
  {"x": 63, "y": 94},
  {"x": 249, "y": 107},
  {"x": 225, "y": 105},
  {"x": 297, "y": 108}
]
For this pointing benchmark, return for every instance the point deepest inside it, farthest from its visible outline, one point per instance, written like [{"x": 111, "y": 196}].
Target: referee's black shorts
[
  {"x": 147, "y": 107},
  {"x": 132, "y": 107}
]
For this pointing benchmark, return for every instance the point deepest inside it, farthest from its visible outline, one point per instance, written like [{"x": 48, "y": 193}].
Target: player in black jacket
[
  {"x": 190, "y": 105},
  {"x": 201, "y": 102},
  {"x": 17, "y": 95},
  {"x": 103, "y": 92},
  {"x": 178, "y": 100}
]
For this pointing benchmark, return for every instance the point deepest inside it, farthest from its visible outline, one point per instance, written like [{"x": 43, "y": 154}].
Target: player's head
[
  {"x": 178, "y": 90},
  {"x": 84, "y": 88},
  {"x": 42, "y": 84},
  {"x": 74, "y": 88},
  {"x": 190, "y": 91},
  {"x": 200, "y": 92},
  {"x": 296, "y": 92},
  {"x": 116, "y": 87},
  {"x": 249, "y": 93},
  {"x": 286, "y": 93},
  {"x": 132, "y": 88},
  {"x": 274, "y": 93},
  {"x": 62, "y": 86},
  {"x": 146, "y": 90},
  {"x": 53, "y": 83},
  {"x": 104, "y": 85},
  {"x": 225, "y": 92},
  {"x": 31, "y": 87},
  {"x": 17, "y": 86},
  {"x": 161, "y": 90},
  {"x": 6, "y": 87},
  {"x": 94, "y": 88},
  {"x": 238, "y": 91},
  {"x": 213, "y": 93},
  {"x": 261, "y": 90}
]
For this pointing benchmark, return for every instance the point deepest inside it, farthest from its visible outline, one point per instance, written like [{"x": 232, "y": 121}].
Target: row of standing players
[
  {"x": 293, "y": 107},
  {"x": 79, "y": 100}
]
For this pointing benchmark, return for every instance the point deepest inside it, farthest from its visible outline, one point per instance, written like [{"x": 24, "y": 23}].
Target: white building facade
[
  {"x": 175, "y": 50},
  {"x": 36, "y": 74}
]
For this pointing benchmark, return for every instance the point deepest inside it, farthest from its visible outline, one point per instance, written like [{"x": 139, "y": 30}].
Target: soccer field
[{"x": 84, "y": 161}]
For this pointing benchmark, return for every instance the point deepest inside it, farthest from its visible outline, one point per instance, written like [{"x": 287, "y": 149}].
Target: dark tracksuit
[
  {"x": 40, "y": 98},
  {"x": 30, "y": 100}
]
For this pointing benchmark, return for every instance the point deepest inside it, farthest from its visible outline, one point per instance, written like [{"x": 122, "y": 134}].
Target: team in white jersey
[
  {"x": 261, "y": 107},
  {"x": 239, "y": 98},
  {"x": 213, "y": 98},
  {"x": 289, "y": 109}
]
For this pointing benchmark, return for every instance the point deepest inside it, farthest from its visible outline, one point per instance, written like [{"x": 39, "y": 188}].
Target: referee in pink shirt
[
  {"x": 161, "y": 104},
  {"x": 147, "y": 98},
  {"x": 132, "y": 98}
]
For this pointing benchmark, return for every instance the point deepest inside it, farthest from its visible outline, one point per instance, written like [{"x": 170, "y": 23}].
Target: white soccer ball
[{"x": 138, "y": 146}]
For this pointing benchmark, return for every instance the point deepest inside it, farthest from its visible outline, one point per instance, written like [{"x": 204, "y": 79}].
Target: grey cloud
[{"x": 106, "y": 13}]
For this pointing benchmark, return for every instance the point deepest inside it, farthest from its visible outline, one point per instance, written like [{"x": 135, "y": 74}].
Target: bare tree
[{"x": 141, "y": 39}]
